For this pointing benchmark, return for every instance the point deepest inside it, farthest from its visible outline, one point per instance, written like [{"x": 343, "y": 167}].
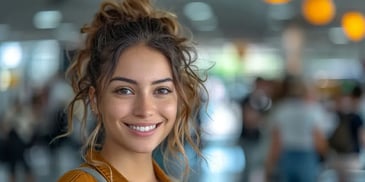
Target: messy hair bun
[
  {"x": 132, "y": 10},
  {"x": 111, "y": 12},
  {"x": 116, "y": 13}
]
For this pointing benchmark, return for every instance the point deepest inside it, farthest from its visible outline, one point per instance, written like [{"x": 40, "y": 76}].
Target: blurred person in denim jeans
[{"x": 296, "y": 137}]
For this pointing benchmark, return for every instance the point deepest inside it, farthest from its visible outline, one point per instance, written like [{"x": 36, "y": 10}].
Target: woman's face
[{"x": 139, "y": 104}]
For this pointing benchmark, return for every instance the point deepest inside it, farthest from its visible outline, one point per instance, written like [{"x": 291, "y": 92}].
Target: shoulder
[
  {"x": 356, "y": 119},
  {"x": 161, "y": 175},
  {"x": 76, "y": 176}
]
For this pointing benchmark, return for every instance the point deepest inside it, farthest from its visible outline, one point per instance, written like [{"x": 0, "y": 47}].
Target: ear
[{"x": 93, "y": 100}]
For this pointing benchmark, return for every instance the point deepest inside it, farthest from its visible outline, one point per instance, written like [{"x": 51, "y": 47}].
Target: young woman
[{"x": 136, "y": 75}]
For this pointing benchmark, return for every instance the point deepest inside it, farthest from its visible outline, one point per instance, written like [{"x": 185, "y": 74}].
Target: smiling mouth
[{"x": 144, "y": 128}]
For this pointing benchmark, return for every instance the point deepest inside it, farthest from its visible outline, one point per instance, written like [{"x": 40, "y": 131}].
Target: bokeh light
[
  {"x": 277, "y": 1},
  {"x": 318, "y": 12},
  {"x": 353, "y": 25}
]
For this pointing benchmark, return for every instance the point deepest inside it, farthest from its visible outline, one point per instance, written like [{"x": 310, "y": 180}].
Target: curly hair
[{"x": 117, "y": 26}]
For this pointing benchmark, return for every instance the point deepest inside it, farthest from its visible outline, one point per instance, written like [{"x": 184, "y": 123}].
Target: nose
[{"x": 144, "y": 106}]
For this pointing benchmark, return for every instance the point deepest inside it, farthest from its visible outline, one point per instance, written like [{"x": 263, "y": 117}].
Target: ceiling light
[
  {"x": 11, "y": 54},
  {"x": 277, "y": 1},
  {"x": 198, "y": 11},
  {"x": 318, "y": 12},
  {"x": 353, "y": 24},
  {"x": 47, "y": 19}
]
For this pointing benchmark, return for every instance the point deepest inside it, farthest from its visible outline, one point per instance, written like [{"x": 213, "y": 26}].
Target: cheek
[
  {"x": 111, "y": 110},
  {"x": 169, "y": 109}
]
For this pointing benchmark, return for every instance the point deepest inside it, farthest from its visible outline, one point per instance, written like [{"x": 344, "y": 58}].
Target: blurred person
[
  {"x": 2, "y": 138},
  {"x": 254, "y": 108},
  {"x": 322, "y": 108},
  {"x": 347, "y": 139},
  {"x": 54, "y": 121},
  {"x": 296, "y": 137},
  {"x": 59, "y": 94},
  {"x": 136, "y": 74},
  {"x": 19, "y": 133}
]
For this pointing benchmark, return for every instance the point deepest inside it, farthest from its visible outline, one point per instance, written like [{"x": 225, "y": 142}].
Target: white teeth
[{"x": 142, "y": 128}]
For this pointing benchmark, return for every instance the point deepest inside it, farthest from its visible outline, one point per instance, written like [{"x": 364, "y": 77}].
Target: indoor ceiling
[{"x": 247, "y": 19}]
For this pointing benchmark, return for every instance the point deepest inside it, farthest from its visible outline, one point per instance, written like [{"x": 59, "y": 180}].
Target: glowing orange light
[
  {"x": 318, "y": 12},
  {"x": 353, "y": 24},
  {"x": 277, "y": 1}
]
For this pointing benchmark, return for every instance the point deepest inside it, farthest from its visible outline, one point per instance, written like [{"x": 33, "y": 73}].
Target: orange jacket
[{"x": 81, "y": 176}]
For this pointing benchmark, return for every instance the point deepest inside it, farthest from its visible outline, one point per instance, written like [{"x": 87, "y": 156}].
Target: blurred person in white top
[{"x": 297, "y": 139}]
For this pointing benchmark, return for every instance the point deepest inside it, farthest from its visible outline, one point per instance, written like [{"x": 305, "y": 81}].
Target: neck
[{"x": 133, "y": 166}]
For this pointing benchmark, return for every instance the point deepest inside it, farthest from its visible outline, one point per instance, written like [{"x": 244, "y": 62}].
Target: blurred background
[{"x": 284, "y": 75}]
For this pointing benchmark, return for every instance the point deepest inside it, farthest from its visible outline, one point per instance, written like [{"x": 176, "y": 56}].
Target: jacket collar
[{"x": 96, "y": 160}]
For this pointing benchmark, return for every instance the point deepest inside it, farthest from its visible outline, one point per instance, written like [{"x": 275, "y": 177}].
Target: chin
[
  {"x": 144, "y": 150},
  {"x": 143, "y": 147}
]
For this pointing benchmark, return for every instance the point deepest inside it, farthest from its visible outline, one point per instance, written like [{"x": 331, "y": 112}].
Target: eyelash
[
  {"x": 158, "y": 91},
  {"x": 163, "y": 91},
  {"x": 122, "y": 91}
]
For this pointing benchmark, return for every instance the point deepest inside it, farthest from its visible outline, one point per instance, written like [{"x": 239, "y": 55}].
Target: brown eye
[
  {"x": 124, "y": 91},
  {"x": 162, "y": 91}
]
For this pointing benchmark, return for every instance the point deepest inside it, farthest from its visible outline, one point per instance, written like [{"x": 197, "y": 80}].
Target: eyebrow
[{"x": 123, "y": 79}]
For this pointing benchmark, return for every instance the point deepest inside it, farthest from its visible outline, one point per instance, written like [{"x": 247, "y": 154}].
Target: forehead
[{"x": 141, "y": 61}]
